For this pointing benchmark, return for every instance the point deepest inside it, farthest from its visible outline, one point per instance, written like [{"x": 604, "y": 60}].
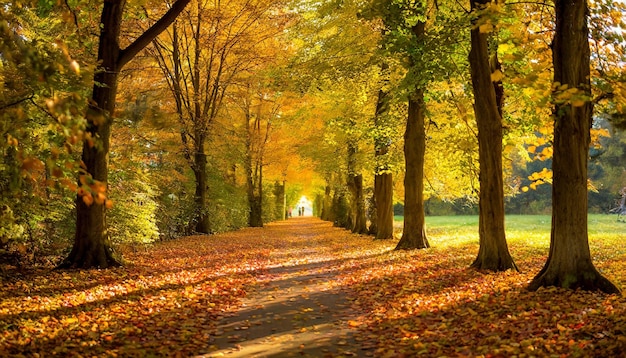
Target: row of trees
[
  {"x": 224, "y": 102},
  {"x": 423, "y": 42},
  {"x": 170, "y": 143}
]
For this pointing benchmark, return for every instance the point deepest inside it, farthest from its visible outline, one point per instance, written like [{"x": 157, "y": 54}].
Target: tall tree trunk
[
  {"x": 569, "y": 262},
  {"x": 255, "y": 218},
  {"x": 383, "y": 180},
  {"x": 414, "y": 232},
  {"x": 326, "y": 205},
  {"x": 383, "y": 193},
  {"x": 360, "y": 221},
  {"x": 202, "y": 222},
  {"x": 279, "y": 201},
  {"x": 258, "y": 214},
  {"x": 372, "y": 230},
  {"x": 493, "y": 253},
  {"x": 254, "y": 166},
  {"x": 256, "y": 211},
  {"x": 91, "y": 242},
  {"x": 357, "y": 222},
  {"x": 341, "y": 212}
]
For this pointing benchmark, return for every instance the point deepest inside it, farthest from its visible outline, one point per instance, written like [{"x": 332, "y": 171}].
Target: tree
[
  {"x": 355, "y": 187},
  {"x": 257, "y": 126},
  {"x": 493, "y": 252},
  {"x": 382, "y": 222},
  {"x": 91, "y": 242},
  {"x": 569, "y": 262},
  {"x": 44, "y": 74},
  {"x": 201, "y": 59},
  {"x": 414, "y": 232}
]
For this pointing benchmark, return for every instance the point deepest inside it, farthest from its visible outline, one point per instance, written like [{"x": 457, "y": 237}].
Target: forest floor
[{"x": 303, "y": 288}]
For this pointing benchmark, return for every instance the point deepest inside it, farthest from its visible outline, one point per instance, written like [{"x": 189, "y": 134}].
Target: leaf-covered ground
[{"x": 174, "y": 300}]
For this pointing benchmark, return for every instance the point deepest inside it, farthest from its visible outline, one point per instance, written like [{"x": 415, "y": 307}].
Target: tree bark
[
  {"x": 569, "y": 262},
  {"x": 256, "y": 213},
  {"x": 372, "y": 215},
  {"x": 92, "y": 246},
  {"x": 255, "y": 205},
  {"x": 383, "y": 193},
  {"x": 414, "y": 232},
  {"x": 357, "y": 222},
  {"x": 341, "y": 212},
  {"x": 360, "y": 221},
  {"x": 202, "y": 222},
  {"x": 326, "y": 213},
  {"x": 493, "y": 253},
  {"x": 91, "y": 242},
  {"x": 383, "y": 181}
]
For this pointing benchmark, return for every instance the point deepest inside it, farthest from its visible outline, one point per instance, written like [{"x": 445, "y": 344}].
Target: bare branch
[
  {"x": 146, "y": 38},
  {"x": 5, "y": 106}
]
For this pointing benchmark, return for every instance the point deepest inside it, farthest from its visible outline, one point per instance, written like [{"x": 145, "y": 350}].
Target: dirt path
[{"x": 298, "y": 308}]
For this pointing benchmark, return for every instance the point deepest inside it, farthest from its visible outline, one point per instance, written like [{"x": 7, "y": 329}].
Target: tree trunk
[
  {"x": 569, "y": 262},
  {"x": 202, "y": 223},
  {"x": 493, "y": 253},
  {"x": 372, "y": 230},
  {"x": 91, "y": 242},
  {"x": 255, "y": 217},
  {"x": 326, "y": 205},
  {"x": 383, "y": 196},
  {"x": 414, "y": 233},
  {"x": 256, "y": 211},
  {"x": 92, "y": 247},
  {"x": 360, "y": 221},
  {"x": 341, "y": 209},
  {"x": 383, "y": 180},
  {"x": 356, "y": 222}
]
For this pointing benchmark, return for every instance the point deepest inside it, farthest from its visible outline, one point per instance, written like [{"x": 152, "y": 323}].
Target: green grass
[{"x": 527, "y": 230}]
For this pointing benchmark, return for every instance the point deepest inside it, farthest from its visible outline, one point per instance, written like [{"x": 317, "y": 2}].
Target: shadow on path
[{"x": 297, "y": 308}]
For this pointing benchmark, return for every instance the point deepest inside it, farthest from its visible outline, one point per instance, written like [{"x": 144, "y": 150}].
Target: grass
[{"x": 526, "y": 230}]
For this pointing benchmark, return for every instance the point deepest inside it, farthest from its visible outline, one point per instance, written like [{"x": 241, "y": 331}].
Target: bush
[{"x": 133, "y": 217}]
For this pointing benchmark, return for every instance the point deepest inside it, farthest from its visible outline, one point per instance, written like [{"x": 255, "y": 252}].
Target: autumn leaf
[{"x": 497, "y": 76}]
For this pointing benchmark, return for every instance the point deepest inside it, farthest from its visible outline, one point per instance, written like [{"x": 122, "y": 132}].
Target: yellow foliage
[
  {"x": 485, "y": 28},
  {"x": 546, "y": 153},
  {"x": 497, "y": 76}
]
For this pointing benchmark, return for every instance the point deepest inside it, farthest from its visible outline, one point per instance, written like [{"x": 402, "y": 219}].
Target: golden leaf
[
  {"x": 485, "y": 28},
  {"x": 497, "y": 76}
]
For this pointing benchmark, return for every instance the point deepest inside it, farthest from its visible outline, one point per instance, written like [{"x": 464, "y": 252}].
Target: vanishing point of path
[{"x": 299, "y": 307}]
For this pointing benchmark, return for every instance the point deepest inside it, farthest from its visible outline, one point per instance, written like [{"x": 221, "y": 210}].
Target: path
[{"x": 298, "y": 308}]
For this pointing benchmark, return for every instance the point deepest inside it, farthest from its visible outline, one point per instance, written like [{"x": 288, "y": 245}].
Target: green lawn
[{"x": 528, "y": 230}]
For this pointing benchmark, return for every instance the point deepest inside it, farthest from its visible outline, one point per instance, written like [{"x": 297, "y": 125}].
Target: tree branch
[
  {"x": 146, "y": 38},
  {"x": 603, "y": 96},
  {"x": 15, "y": 103}
]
